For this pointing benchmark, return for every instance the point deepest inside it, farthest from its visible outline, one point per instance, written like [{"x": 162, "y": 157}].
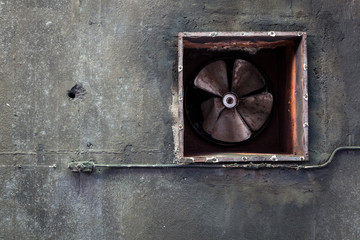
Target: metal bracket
[{"x": 82, "y": 166}]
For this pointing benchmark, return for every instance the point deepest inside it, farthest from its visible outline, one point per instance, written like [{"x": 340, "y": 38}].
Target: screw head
[
  {"x": 305, "y": 67},
  {"x": 306, "y": 97},
  {"x": 180, "y": 68},
  {"x": 272, "y": 34},
  {"x": 212, "y": 159},
  {"x": 213, "y": 34}
]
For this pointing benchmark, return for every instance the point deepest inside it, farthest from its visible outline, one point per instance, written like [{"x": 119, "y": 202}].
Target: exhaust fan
[
  {"x": 242, "y": 97},
  {"x": 238, "y": 106}
]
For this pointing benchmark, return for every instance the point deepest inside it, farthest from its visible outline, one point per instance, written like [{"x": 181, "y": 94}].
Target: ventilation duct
[{"x": 243, "y": 97}]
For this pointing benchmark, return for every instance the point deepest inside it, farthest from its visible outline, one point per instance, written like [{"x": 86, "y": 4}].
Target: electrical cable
[{"x": 89, "y": 166}]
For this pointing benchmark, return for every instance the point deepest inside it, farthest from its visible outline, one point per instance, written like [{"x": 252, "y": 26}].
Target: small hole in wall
[
  {"x": 76, "y": 91},
  {"x": 71, "y": 95}
]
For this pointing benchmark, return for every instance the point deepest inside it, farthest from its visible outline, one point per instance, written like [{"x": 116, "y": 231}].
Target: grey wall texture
[{"x": 124, "y": 54}]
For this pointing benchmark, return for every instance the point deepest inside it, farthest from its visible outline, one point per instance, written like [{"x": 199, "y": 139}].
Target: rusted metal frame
[
  {"x": 233, "y": 45},
  {"x": 303, "y": 77},
  {"x": 243, "y": 34},
  {"x": 89, "y": 167},
  {"x": 292, "y": 99},
  {"x": 238, "y": 157},
  {"x": 299, "y": 107},
  {"x": 305, "y": 96},
  {"x": 180, "y": 96}
]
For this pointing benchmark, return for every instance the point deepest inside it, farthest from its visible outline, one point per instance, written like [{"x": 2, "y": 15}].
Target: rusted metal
[
  {"x": 302, "y": 58},
  {"x": 246, "y": 78},
  {"x": 211, "y": 110},
  {"x": 236, "y": 45},
  {"x": 230, "y": 127},
  {"x": 213, "y": 78},
  {"x": 256, "y": 109},
  {"x": 290, "y": 97},
  {"x": 179, "y": 147}
]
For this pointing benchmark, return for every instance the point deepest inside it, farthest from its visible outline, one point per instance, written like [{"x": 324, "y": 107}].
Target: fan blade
[
  {"x": 230, "y": 127},
  {"x": 213, "y": 78},
  {"x": 246, "y": 78},
  {"x": 211, "y": 110},
  {"x": 255, "y": 109}
]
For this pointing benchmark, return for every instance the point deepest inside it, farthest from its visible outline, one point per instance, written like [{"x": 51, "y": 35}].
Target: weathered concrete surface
[{"x": 124, "y": 55}]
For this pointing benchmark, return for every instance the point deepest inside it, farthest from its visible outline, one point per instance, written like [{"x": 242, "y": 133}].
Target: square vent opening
[{"x": 243, "y": 97}]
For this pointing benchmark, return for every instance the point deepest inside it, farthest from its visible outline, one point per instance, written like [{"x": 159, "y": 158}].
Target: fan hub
[{"x": 230, "y": 100}]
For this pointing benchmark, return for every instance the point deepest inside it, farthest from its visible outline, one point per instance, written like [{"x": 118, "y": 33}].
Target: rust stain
[
  {"x": 293, "y": 104},
  {"x": 251, "y": 46}
]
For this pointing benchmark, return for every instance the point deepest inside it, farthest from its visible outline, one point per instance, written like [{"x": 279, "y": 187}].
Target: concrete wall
[{"x": 124, "y": 55}]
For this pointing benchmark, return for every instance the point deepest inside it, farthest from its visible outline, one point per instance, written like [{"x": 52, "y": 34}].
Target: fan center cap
[{"x": 230, "y": 100}]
